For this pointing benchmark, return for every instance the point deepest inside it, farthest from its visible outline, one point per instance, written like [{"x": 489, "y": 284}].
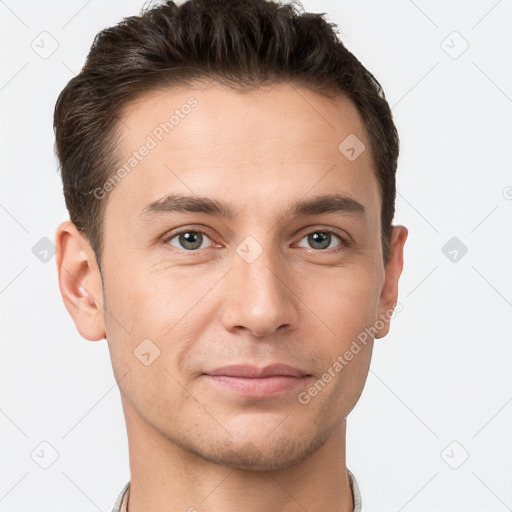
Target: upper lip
[{"x": 250, "y": 371}]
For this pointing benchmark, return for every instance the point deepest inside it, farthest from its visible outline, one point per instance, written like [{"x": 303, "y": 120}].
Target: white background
[{"x": 440, "y": 384}]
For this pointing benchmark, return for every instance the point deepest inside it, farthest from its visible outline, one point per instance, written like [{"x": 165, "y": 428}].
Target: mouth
[{"x": 248, "y": 380}]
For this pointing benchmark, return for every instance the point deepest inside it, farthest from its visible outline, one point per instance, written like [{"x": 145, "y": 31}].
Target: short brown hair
[{"x": 240, "y": 43}]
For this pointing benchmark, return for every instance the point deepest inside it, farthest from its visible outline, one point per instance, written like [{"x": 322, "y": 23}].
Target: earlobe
[
  {"x": 80, "y": 281},
  {"x": 389, "y": 292}
]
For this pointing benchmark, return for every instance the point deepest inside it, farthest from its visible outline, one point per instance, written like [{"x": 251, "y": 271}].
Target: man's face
[{"x": 265, "y": 286}]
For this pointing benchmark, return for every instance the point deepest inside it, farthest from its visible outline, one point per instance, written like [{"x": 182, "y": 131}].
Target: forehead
[
  {"x": 215, "y": 114},
  {"x": 274, "y": 143}
]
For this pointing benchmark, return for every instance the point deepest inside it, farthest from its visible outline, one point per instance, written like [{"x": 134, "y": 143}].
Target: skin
[{"x": 191, "y": 443}]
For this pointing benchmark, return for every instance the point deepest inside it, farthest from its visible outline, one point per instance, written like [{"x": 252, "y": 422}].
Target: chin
[{"x": 259, "y": 452}]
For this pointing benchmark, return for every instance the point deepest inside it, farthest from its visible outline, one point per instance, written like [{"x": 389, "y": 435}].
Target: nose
[{"x": 258, "y": 297}]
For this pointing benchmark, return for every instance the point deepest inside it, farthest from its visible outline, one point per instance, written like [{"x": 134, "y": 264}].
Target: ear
[
  {"x": 389, "y": 292},
  {"x": 80, "y": 281}
]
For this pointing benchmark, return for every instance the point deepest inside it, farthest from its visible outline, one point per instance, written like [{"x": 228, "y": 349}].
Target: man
[{"x": 229, "y": 170}]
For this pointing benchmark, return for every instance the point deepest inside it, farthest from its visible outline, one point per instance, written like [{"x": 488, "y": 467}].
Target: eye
[
  {"x": 190, "y": 240},
  {"x": 322, "y": 239}
]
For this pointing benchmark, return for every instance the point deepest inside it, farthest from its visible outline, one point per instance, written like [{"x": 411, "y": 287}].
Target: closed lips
[{"x": 253, "y": 372}]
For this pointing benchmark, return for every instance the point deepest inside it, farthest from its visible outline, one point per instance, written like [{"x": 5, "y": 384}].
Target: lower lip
[{"x": 257, "y": 387}]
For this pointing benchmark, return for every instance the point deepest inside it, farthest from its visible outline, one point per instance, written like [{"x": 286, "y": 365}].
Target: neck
[{"x": 165, "y": 477}]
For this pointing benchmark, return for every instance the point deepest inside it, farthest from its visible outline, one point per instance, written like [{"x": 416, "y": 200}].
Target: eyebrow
[{"x": 331, "y": 203}]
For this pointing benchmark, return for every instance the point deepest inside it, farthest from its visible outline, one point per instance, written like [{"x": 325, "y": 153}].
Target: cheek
[
  {"x": 157, "y": 305},
  {"x": 132, "y": 306},
  {"x": 347, "y": 307},
  {"x": 136, "y": 296},
  {"x": 141, "y": 317},
  {"x": 346, "y": 300}
]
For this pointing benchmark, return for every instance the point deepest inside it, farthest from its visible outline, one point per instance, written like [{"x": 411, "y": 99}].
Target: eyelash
[{"x": 342, "y": 246}]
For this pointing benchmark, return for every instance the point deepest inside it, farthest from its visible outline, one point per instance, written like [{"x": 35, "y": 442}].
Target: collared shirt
[{"x": 122, "y": 500}]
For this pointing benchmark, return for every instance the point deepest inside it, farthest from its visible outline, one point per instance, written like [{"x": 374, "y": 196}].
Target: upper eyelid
[
  {"x": 333, "y": 230},
  {"x": 170, "y": 235}
]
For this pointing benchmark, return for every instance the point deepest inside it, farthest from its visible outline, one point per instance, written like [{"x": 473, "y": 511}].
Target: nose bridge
[{"x": 259, "y": 299}]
